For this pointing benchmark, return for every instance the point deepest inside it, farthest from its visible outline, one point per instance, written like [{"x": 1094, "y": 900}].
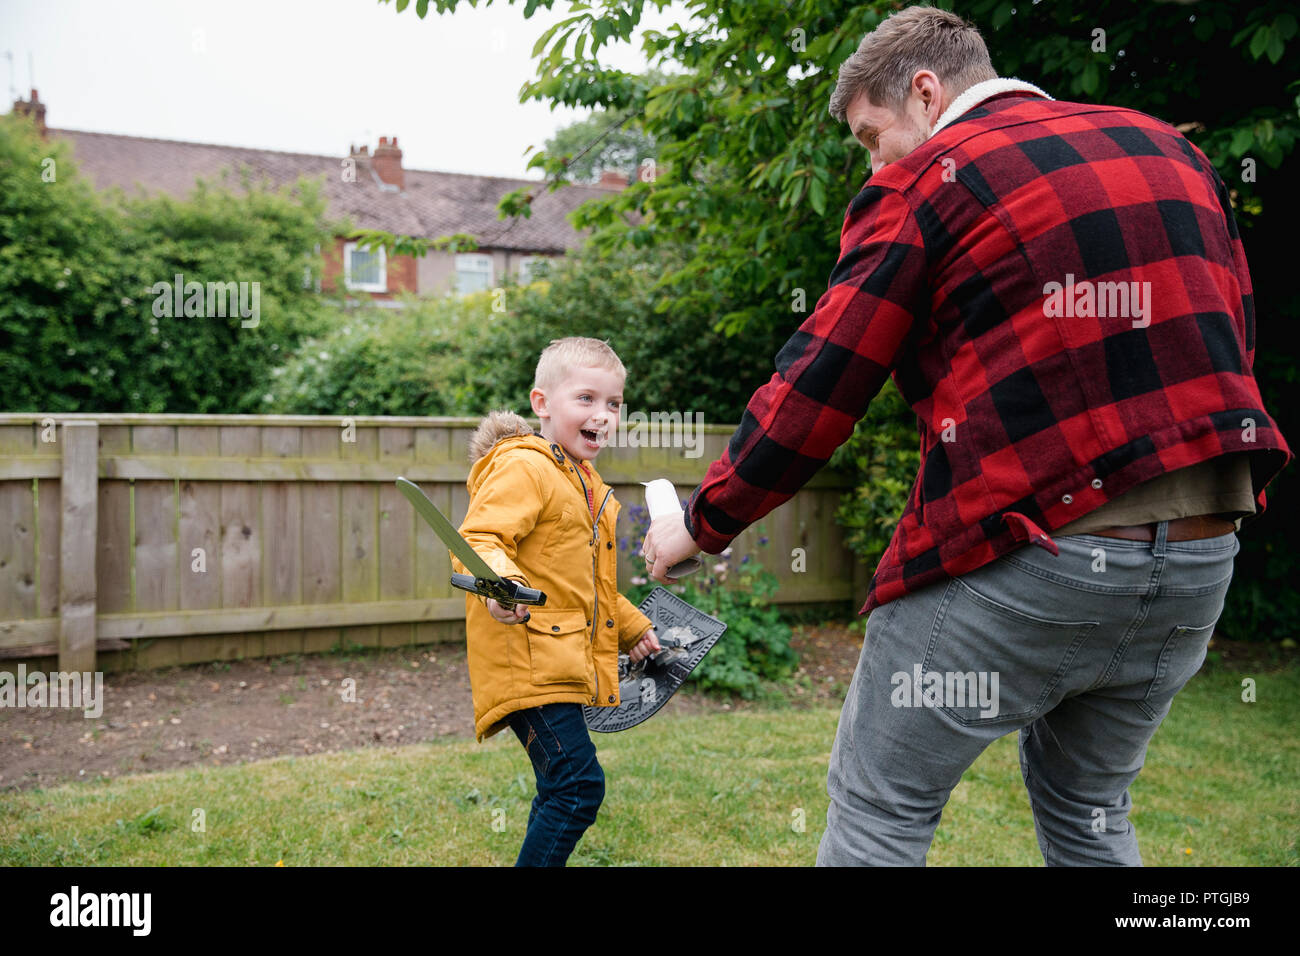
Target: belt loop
[{"x": 1162, "y": 537}]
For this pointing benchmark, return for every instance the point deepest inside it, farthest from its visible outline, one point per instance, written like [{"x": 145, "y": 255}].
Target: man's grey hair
[{"x": 916, "y": 38}]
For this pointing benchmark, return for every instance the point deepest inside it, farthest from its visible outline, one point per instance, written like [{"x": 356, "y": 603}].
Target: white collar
[{"x": 972, "y": 96}]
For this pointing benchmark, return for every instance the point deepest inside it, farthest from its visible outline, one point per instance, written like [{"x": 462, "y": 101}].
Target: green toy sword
[{"x": 482, "y": 579}]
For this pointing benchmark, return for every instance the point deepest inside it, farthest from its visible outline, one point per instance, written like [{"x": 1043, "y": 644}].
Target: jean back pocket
[{"x": 1009, "y": 660}]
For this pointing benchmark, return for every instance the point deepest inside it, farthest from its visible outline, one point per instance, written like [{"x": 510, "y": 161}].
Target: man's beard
[{"x": 918, "y": 134}]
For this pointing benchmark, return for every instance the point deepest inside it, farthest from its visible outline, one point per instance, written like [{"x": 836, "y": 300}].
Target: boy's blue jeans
[
  {"x": 1088, "y": 648},
  {"x": 570, "y": 781}
]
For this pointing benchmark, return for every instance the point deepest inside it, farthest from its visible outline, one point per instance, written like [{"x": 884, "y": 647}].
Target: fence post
[{"x": 77, "y": 545}]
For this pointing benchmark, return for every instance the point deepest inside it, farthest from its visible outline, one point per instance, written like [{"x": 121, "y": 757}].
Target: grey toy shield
[{"x": 685, "y": 634}]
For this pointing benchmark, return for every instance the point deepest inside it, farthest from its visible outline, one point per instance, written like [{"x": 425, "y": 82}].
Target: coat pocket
[{"x": 557, "y": 646}]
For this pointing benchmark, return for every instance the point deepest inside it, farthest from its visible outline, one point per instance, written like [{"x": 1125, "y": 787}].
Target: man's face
[
  {"x": 580, "y": 411},
  {"x": 887, "y": 135}
]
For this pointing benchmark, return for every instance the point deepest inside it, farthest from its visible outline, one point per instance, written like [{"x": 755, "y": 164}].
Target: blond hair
[
  {"x": 916, "y": 38},
  {"x": 562, "y": 356}
]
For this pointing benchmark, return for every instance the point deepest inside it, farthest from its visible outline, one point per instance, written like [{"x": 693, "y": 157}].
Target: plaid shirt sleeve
[{"x": 826, "y": 374}]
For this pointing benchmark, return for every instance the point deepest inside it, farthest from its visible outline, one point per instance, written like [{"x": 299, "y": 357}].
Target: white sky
[{"x": 310, "y": 76}]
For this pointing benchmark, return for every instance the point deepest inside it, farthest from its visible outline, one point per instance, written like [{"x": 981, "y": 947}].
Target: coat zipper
[{"x": 595, "y": 586}]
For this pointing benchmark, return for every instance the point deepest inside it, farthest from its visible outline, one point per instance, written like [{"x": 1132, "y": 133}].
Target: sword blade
[{"x": 474, "y": 564}]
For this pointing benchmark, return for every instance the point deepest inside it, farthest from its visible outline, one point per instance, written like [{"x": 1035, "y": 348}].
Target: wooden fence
[{"x": 138, "y": 541}]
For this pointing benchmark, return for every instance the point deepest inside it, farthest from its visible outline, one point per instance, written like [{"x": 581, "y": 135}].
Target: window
[
  {"x": 364, "y": 271},
  {"x": 533, "y": 268},
  {"x": 473, "y": 273}
]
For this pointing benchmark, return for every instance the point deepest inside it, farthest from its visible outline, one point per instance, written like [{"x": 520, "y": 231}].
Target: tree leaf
[
  {"x": 817, "y": 196},
  {"x": 1275, "y": 47},
  {"x": 1088, "y": 80},
  {"x": 542, "y": 40},
  {"x": 1259, "y": 42}
]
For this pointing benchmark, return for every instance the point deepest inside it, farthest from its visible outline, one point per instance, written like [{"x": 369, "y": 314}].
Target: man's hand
[
  {"x": 648, "y": 645},
  {"x": 666, "y": 543}
]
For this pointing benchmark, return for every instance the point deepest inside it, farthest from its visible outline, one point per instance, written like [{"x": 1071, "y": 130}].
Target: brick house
[{"x": 374, "y": 190}]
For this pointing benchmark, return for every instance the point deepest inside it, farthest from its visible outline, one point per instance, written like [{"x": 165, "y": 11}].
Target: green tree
[
  {"x": 250, "y": 234},
  {"x": 80, "y": 328},
  {"x": 59, "y": 269},
  {"x": 604, "y": 141},
  {"x": 457, "y": 356},
  {"x": 680, "y": 363}
]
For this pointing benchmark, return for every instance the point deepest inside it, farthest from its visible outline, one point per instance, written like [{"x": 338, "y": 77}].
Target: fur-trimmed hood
[{"x": 494, "y": 427}]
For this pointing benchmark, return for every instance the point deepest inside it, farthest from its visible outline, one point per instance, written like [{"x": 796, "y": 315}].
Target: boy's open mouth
[{"x": 592, "y": 437}]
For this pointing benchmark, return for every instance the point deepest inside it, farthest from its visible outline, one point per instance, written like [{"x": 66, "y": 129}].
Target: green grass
[{"x": 724, "y": 788}]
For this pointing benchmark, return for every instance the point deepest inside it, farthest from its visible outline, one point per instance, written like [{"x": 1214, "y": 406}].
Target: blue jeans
[
  {"x": 570, "y": 782},
  {"x": 1080, "y": 652}
]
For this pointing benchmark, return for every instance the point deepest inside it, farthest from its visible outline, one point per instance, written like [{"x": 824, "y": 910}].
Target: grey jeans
[{"x": 1081, "y": 652}]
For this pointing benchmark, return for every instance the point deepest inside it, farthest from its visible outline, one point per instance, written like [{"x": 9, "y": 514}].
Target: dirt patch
[
  {"x": 230, "y": 713},
  {"x": 233, "y": 712}
]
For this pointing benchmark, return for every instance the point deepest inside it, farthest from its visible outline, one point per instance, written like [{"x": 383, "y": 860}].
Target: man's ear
[{"x": 927, "y": 86}]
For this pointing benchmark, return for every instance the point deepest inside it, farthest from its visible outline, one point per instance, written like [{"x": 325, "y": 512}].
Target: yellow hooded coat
[{"x": 529, "y": 520}]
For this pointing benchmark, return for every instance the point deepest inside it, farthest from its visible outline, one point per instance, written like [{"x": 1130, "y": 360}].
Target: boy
[{"x": 539, "y": 513}]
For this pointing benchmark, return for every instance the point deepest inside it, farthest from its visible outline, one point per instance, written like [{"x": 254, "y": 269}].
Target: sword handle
[
  {"x": 508, "y": 596},
  {"x": 523, "y": 595}
]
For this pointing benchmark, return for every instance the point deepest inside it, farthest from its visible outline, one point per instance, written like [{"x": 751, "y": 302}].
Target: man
[{"x": 1061, "y": 295}]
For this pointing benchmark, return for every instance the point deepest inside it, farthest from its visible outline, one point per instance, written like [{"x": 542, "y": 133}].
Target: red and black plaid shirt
[{"x": 1033, "y": 409}]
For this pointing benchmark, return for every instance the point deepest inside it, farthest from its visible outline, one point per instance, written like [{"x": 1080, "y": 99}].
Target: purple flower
[
  {"x": 763, "y": 540},
  {"x": 745, "y": 560}
]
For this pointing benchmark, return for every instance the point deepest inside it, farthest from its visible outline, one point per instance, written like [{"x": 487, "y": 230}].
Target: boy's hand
[
  {"x": 648, "y": 645},
  {"x": 512, "y": 616}
]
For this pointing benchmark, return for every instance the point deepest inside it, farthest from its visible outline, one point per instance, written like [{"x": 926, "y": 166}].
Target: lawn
[{"x": 745, "y": 788}]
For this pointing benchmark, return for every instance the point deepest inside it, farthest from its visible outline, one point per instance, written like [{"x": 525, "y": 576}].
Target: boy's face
[{"x": 580, "y": 412}]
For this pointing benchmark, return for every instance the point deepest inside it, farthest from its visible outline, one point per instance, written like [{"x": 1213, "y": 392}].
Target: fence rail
[{"x": 136, "y": 541}]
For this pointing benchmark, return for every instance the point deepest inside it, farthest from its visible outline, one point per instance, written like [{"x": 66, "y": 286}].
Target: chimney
[
  {"x": 613, "y": 179},
  {"x": 33, "y": 108},
  {"x": 387, "y": 162}
]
